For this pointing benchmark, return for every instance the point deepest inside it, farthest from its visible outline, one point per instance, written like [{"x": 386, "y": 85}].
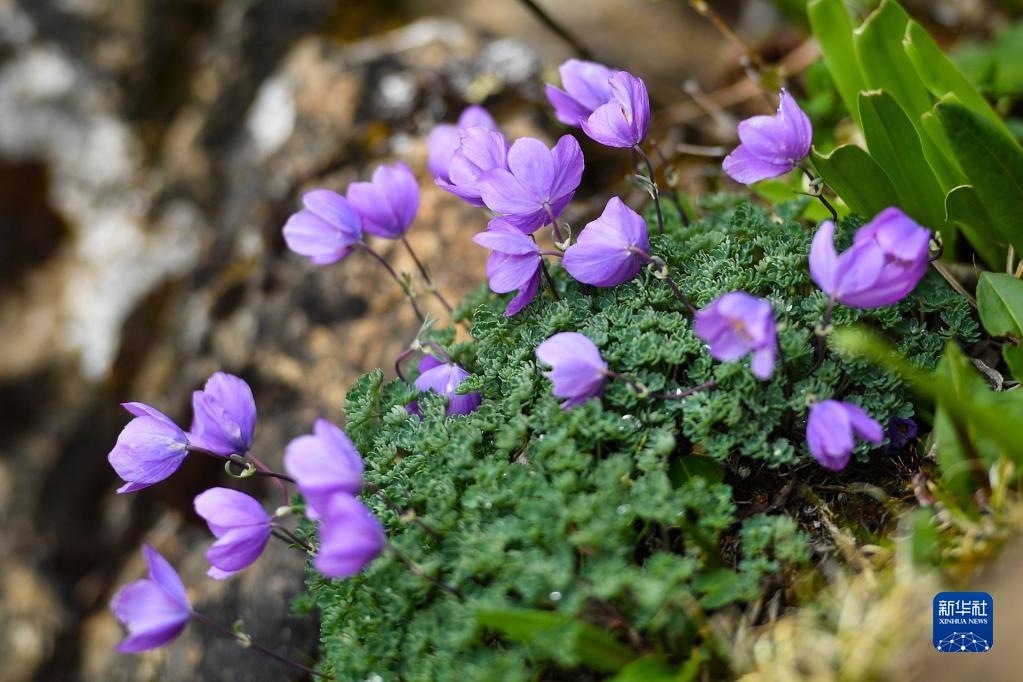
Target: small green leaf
[
  {"x": 833, "y": 29},
  {"x": 1000, "y": 299},
  {"x": 856, "y": 177},
  {"x": 719, "y": 587},
  {"x": 695, "y": 466},
  {"x": 650, "y": 668},
  {"x": 924, "y": 541},
  {"x": 779, "y": 192},
  {"x": 963, "y": 207}
]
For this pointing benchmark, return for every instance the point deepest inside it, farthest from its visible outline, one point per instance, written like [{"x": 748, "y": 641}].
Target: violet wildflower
[
  {"x": 771, "y": 145},
  {"x": 624, "y": 119},
  {"x": 611, "y": 249},
  {"x": 830, "y": 430},
  {"x": 445, "y": 138},
  {"x": 577, "y": 371},
  {"x": 514, "y": 264},
  {"x": 224, "y": 416},
  {"x": 323, "y": 464},
  {"x": 444, "y": 378},
  {"x": 389, "y": 203},
  {"x": 586, "y": 87},
  {"x": 326, "y": 230},
  {"x": 154, "y": 610},
  {"x": 239, "y": 523},
  {"x": 350, "y": 537},
  {"x": 480, "y": 150},
  {"x": 887, "y": 260},
  {"x": 737, "y": 323},
  {"x": 150, "y": 448},
  {"x": 537, "y": 185},
  {"x": 899, "y": 433}
]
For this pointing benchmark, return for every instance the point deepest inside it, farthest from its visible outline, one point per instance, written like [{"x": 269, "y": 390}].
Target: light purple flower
[
  {"x": 539, "y": 181},
  {"x": 830, "y": 430},
  {"x": 624, "y": 119},
  {"x": 445, "y": 138},
  {"x": 771, "y": 145},
  {"x": 605, "y": 253},
  {"x": 150, "y": 448},
  {"x": 326, "y": 230},
  {"x": 444, "y": 378},
  {"x": 239, "y": 523},
  {"x": 887, "y": 260},
  {"x": 577, "y": 371},
  {"x": 224, "y": 415},
  {"x": 587, "y": 87},
  {"x": 514, "y": 264},
  {"x": 389, "y": 203},
  {"x": 154, "y": 610},
  {"x": 735, "y": 324},
  {"x": 479, "y": 151},
  {"x": 350, "y": 537},
  {"x": 323, "y": 464}
]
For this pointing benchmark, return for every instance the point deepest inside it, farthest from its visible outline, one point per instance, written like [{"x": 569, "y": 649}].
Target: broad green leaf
[
  {"x": 994, "y": 164},
  {"x": 719, "y": 587},
  {"x": 779, "y": 191},
  {"x": 924, "y": 541},
  {"x": 650, "y": 668},
  {"x": 559, "y": 635},
  {"x": 1000, "y": 300},
  {"x": 833, "y": 29},
  {"x": 939, "y": 153},
  {"x": 964, "y": 208},
  {"x": 692, "y": 466},
  {"x": 893, "y": 142},
  {"x": 857, "y": 179}
]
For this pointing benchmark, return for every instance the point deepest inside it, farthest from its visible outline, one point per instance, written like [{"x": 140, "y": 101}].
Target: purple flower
[
  {"x": 323, "y": 464},
  {"x": 444, "y": 138},
  {"x": 150, "y": 448},
  {"x": 577, "y": 370},
  {"x": 155, "y": 610},
  {"x": 587, "y": 87},
  {"x": 444, "y": 378},
  {"x": 830, "y": 430},
  {"x": 389, "y": 203},
  {"x": 624, "y": 119},
  {"x": 539, "y": 181},
  {"x": 239, "y": 523},
  {"x": 887, "y": 260},
  {"x": 350, "y": 537},
  {"x": 771, "y": 145},
  {"x": 326, "y": 230},
  {"x": 224, "y": 415},
  {"x": 514, "y": 264},
  {"x": 735, "y": 324},
  {"x": 480, "y": 150},
  {"x": 899, "y": 433},
  {"x": 605, "y": 253}
]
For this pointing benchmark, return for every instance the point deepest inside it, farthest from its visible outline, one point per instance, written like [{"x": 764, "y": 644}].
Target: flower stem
[
  {"x": 644, "y": 392},
  {"x": 654, "y": 191},
  {"x": 426, "y": 276},
  {"x": 282, "y": 533},
  {"x": 817, "y": 190},
  {"x": 400, "y": 359},
  {"x": 417, "y": 570},
  {"x": 673, "y": 195},
  {"x": 436, "y": 347},
  {"x": 247, "y": 642},
  {"x": 558, "y": 237},
  {"x": 662, "y": 273},
  {"x": 823, "y": 327},
  {"x": 571, "y": 40},
  {"x": 402, "y": 513},
  {"x": 550, "y": 280},
  {"x": 394, "y": 275}
]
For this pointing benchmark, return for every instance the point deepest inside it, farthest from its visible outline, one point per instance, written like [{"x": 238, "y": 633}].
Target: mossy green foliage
[{"x": 616, "y": 514}]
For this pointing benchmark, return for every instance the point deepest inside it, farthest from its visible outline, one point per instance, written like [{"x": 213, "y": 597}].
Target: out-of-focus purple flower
[
  {"x": 239, "y": 523},
  {"x": 150, "y": 448},
  {"x": 605, "y": 254},
  {"x": 323, "y": 464},
  {"x": 389, "y": 203},
  {"x": 887, "y": 260},
  {"x": 830, "y": 430},
  {"x": 479, "y": 151},
  {"x": 735, "y": 324},
  {"x": 350, "y": 537},
  {"x": 624, "y": 119},
  {"x": 445, "y": 138},
  {"x": 577, "y": 371},
  {"x": 514, "y": 264},
  {"x": 444, "y": 378},
  {"x": 586, "y": 87},
  {"x": 326, "y": 230},
  {"x": 224, "y": 415},
  {"x": 539, "y": 181},
  {"x": 771, "y": 145},
  {"x": 154, "y": 610},
  {"x": 899, "y": 433},
  {"x": 425, "y": 363}
]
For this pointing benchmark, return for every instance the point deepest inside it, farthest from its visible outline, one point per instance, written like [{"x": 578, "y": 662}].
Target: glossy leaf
[
  {"x": 964, "y": 208},
  {"x": 856, "y": 177},
  {"x": 833, "y": 29},
  {"x": 650, "y": 668},
  {"x": 1000, "y": 300}
]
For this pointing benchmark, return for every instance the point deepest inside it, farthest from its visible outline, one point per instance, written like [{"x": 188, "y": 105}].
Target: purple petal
[
  {"x": 475, "y": 116},
  {"x": 508, "y": 273},
  {"x": 441, "y": 146},
  {"x": 150, "y": 614},
  {"x": 856, "y": 275},
  {"x": 164, "y": 575},
  {"x": 324, "y": 464},
  {"x": 588, "y": 83},
  {"x": 532, "y": 164},
  {"x": 224, "y": 509},
  {"x": 506, "y": 239},
  {"x": 143, "y": 410},
  {"x": 566, "y": 346},
  {"x": 797, "y": 123},
  {"x": 862, "y": 425},
  {"x": 763, "y": 362},
  {"x": 566, "y": 108},
  {"x": 224, "y": 415},
  {"x": 568, "y": 171},
  {"x": 743, "y": 167},
  {"x": 503, "y": 193},
  {"x": 600, "y": 265},
  {"x": 525, "y": 296},
  {"x": 402, "y": 190},
  {"x": 323, "y": 243},
  {"x": 334, "y": 209},
  {"x": 350, "y": 538},
  {"x": 238, "y": 548},
  {"x": 829, "y": 435},
  {"x": 824, "y": 258},
  {"x": 147, "y": 451}
]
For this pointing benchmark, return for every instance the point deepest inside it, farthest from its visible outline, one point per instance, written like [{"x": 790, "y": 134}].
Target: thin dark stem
[
  {"x": 550, "y": 280},
  {"x": 401, "y": 512},
  {"x": 414, "y": 567},
  {"x": 822, "y": 334},
  {"x": 247, "y": 642},
  {"x": 400, "y": 359},
  {"x": 394, "y": 275},
  {"x": 817, "y": 191},
  {"x": 426, "y": 276},
  {"x": 665, "y": 275},
  {"x": 260, "y": 468},
  {"x": 654, "y": 191},
  {"x": 444, "y": 357},
  {"x": 673, "y": 195},
  {"x": 554, "y": 223},
  {"x": 558, "y": 29},
  {"x": 282, "y": 533},
  {"x": 679, "y": 394},
  {"x": 279, "y": 479}
]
